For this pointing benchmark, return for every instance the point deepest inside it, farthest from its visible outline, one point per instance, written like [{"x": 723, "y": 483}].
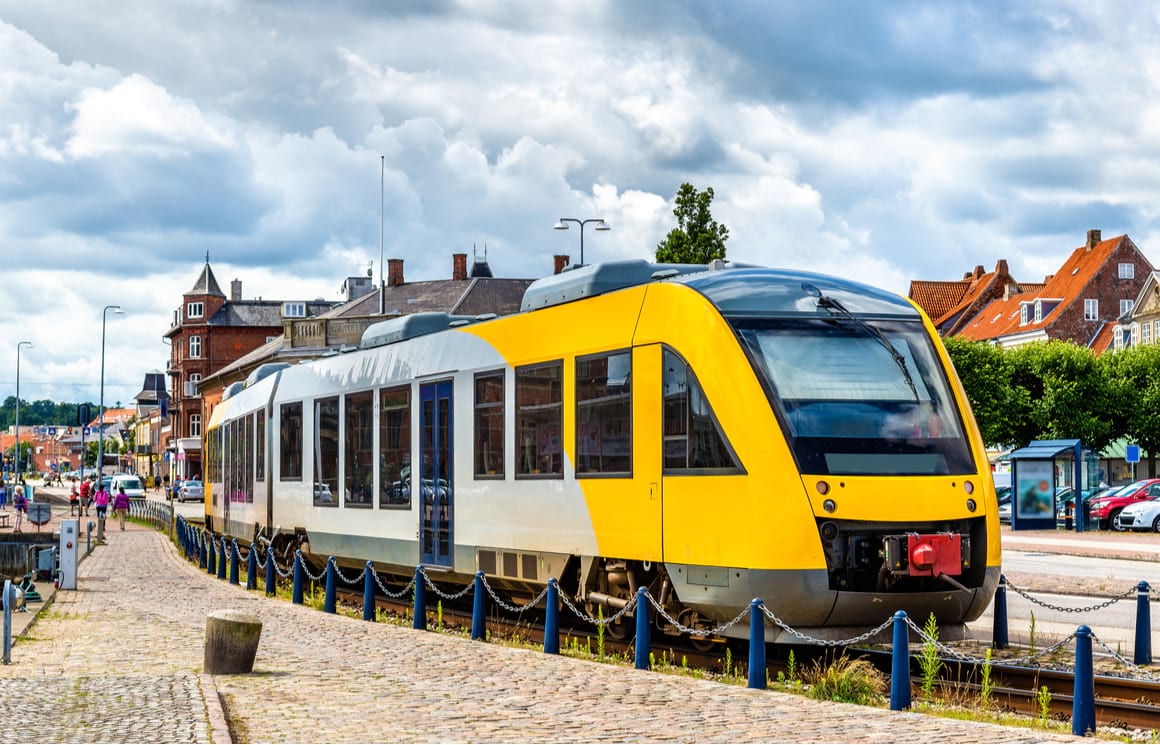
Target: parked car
[
  {"x": 1104, "y": 511},
  {"x": 1144, "y": 515},
  {"x": 1004, "y": 495},
  {"x": 1065, "y": 501},
  {"x": 134, "y": 489},
  {"x": 191, "y": 490}
]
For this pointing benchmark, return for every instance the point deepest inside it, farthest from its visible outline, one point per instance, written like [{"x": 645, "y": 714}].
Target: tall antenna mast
[{"x": 382, "y": 210}]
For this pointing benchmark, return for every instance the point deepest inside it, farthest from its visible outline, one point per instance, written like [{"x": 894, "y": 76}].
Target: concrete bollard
[{"x": 231, "y": 642}]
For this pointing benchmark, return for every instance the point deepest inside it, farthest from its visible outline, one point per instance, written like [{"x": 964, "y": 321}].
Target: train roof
[
  {"x": 416, "y": 324},
  {"x": 735, "y": 289}
]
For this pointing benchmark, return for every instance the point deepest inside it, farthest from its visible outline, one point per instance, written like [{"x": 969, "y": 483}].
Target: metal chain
[
  {"x": 511, "y": 608},
  {"x": 1120, "y": 658},
  {"x": 283, "y": 574},
  {"x": 306, "y": 570},
  {"x": 1059, "y": 608},
  {"x": 824, "y": 642},
  {"x": 427, "y": 581},
  {"x": 348, "y": 580},
  {"x": 598, "y": 621},
  {"x": 699, "y": 633},
  {"x": 387, "y": 592}
]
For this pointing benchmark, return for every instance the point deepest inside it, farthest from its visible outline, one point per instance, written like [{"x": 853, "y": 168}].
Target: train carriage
[{"x": 712, "y": 433}]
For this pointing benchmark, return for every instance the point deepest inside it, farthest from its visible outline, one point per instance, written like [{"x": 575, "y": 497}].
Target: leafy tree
[
  {"x": 986, "y": 378},
  {"x": 1064, "y": 392},
  {"x": 698, "y": 238},
  {"x": 1134, "y": 382}
]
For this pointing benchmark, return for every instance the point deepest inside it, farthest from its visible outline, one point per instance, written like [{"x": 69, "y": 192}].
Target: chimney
[
  {"x": 394, "y": 272},
  {"x": 1093, "y": 239},
  {"x": 979, "y": 272},
  {"x": 560, "y": 261},
  {"x": 1001, "y": 268},
  {"x": 459, "y": 267},
  {"x": 235, "y": 290}
]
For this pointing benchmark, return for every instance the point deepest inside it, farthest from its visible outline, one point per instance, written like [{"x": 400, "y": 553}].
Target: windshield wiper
[{"x": 838, "y": 310}]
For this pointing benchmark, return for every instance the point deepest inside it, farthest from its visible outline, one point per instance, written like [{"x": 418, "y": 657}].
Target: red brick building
[{"x": 211, "y": 331}]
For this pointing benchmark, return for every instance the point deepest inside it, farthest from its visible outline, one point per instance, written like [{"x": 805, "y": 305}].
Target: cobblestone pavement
[{"x": 119, "y": 660}]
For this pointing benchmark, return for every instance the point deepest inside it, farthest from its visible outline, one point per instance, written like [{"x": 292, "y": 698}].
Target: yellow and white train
[{"x": 713, "y": 433}]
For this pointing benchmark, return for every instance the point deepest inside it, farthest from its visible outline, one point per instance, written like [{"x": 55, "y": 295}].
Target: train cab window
[
  {"x": 539, "y": 420},
  {"x": 395, "y": 447},
  {"x": 693, "y": 440},
  {"x": 290, "y": 464},
  {"x": 260, "y": 445},
  {"x": 604, "y": 414},
  {"x": 326, "y": 451},
  {"x": 489, "y": 434},
  {"x": 359, "y": 450}
]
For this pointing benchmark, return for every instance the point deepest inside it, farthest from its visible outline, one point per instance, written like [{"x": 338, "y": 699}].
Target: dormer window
[
  {"x": 1024, "y": 314},
  {"x": 1038, "y": 311},
  {"x": 293, "y": 310},
  {"x": 194, "y": 310},
  {"x": 1127, "y": 271}
]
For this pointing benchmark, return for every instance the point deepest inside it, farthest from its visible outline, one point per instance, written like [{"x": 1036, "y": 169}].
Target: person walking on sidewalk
[
  {"x": 74, "y": 504},
  {"x": 86, "y": 493},
  {"x": 121, "y": 506},
  {"x": 101, "y": 500},
  {"x": 20, "y": 502}
]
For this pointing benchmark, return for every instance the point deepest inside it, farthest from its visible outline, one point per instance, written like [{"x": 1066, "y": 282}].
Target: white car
[
  {"x": 1143, "y": 515},
  {"x": 134, "y": 489}
]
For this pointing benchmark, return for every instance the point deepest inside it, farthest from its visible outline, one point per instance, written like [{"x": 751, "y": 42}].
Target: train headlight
[
  {"x": 968, "y": 487},
  {"x": 971, "y": 505},
  {"x": 829, "y": 505},
  {"x": 823, "y": 488}
]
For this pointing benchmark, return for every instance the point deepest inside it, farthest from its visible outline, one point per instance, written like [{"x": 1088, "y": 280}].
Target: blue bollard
[
  {"x": 756, "y": 645},
  {"x": 329, "y": 603},
  {"x": 252, "y": 568},
  {"x": 1083, "y": 703},
  {"x": 643, "y": 638},
  {"x": 369, "y": 592},
  {"x": 478, "y": 609},
  {"x": 201, "y": 550},
  {"x": 999, "y": 638},
  {"x": 233, "y": 562},
  {"x": 299, "y": 570},
  {"x": 211, "y": 555},
  {"x": 900, "y": 665},
  {"x": 420, "y": 620},
  {"x": 221, "y": 565},
  {"x": 1143, "y": 626},
  {"x": 552, "y": 619},
  {"x": 271, "y": 573}
]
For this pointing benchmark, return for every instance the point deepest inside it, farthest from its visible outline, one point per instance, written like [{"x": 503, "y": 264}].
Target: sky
[{"x": 295, "y": 142}]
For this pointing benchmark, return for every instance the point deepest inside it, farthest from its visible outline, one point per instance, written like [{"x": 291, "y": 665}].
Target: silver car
[{"x": 191, "y": 490}]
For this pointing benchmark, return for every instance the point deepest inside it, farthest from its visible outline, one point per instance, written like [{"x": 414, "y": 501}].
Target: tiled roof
[
  {"x": 1001, "y": 317},
  {"x": 1102, "y": 341},
  {"x": 938, "y": 297}
]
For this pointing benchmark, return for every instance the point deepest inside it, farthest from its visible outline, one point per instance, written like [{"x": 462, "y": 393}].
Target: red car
[{"x": 1103, "y": 511}]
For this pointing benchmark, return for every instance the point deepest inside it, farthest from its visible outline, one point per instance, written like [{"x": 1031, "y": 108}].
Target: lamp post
[
  {"x": 101, "y": 419},
  {"x": 16, "y": 460},
  {"x": 600, "y": 225}
]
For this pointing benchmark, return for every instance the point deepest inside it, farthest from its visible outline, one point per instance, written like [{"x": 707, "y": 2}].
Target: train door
[{"x": 435, "y": 477}]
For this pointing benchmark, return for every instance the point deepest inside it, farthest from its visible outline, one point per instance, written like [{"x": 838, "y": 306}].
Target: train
[{"x": 713, "y": 433}]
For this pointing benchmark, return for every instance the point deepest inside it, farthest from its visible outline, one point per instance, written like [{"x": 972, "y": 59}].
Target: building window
[
  {"x": 195, "y": 425},
  {"x": 293, "y": 310},
  {"x": 359, "y": 449},
  {"x": 290, "y": 463},
  {"x": 1146, "y": 333},
  {"x": 194, "y": 347},
  {"x": 1091, "y": 309},
  {"x": 197, "y": 310},
  {"x": 395, "y": 447},
  {"x": 326, "y": 451},
  {"x": 489, "y": 434},
  {"x": 1126, "y": 306},
  {"x": 604, "y": 414},
  {"x": 1038, "y": 311},
  {"x": 1135, "y": 334},
  {"x": 540, "y": 419},
  {"x": 693, "y": 440},
  {"x": 1024, "y": 314},
  {"x": 1127, "y": 271},
  {"x": 191, "y": 385}
]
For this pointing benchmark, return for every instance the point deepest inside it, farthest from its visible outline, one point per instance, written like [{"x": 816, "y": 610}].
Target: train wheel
[{"x": 689, "y": 618}]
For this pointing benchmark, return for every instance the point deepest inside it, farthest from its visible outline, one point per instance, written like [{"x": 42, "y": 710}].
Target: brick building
[{"x": 210, "y": 331}]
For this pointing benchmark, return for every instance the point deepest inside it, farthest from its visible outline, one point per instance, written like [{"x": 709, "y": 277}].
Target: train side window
[
  {"x": 260, "y": 445},
  {"x": 291, "y": 446},
  {"x": 489, "y": 434},
  {"x": 693, "y": 440},
  {"x": 604, "y": 414},
  {"x": 359, "y": 450},
  {"x": 540, "y": 420},
  {"x": 395, "y": 447},
  {"x": 326, "y": 451}
]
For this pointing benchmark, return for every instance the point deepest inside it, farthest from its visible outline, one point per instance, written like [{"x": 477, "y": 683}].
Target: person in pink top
[
  {"x": 101, "y": 500},
  {"x": 121, "y": 506}
]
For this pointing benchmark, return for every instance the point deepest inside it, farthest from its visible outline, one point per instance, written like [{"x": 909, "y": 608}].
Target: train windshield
[{"x": 860, "y": 396}]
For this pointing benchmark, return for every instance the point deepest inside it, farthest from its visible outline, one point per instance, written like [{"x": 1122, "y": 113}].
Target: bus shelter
[{"x": 1038, "y": 474}]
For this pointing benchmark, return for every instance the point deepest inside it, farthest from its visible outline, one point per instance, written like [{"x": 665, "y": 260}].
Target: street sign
[
  {"x": 52, "y": 431},
  {"x": 1132, "y": 454},
  {"x": 88, "y": 431}
]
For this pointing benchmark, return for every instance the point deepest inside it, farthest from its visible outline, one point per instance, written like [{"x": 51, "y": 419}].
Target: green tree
[
  {"x": 1134, "y": 381},
  {"x": 698, "y": 238},
  {"x": 986, "y": 378},
  {"x": 1064, "y": 392}
]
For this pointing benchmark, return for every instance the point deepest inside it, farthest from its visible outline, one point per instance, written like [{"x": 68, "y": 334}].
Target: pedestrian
[
  {"x": 74, "y": 501},
  {"x": 86, "y": 493},
  {"x": 3, "y": 495},
  {"x": 21, "y": 504},
  {"x": 121, "y": 506},
  {"x": 101, "y": 500}
]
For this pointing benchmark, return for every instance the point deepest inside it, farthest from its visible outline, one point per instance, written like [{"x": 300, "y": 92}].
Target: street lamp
[
  {"x": 101, "y": 420},
  {"x": 600, "y": 225},
  {"x": 17, "y": 458}
]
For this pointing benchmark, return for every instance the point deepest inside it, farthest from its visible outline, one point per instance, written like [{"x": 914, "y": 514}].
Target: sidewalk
[{"x": 119, "y": 659}]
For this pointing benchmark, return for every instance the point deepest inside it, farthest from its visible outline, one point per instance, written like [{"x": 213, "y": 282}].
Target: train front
[{"x": 902, "y": 506}]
